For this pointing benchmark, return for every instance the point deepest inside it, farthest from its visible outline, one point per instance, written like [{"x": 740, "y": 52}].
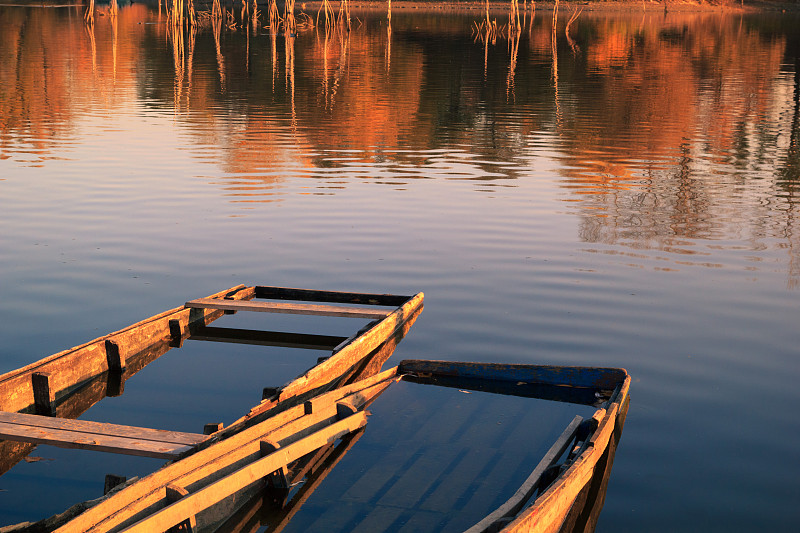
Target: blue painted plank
[{"x": 574, "y": 376}]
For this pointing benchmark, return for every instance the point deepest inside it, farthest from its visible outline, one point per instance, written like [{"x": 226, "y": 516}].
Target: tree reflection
[{"x": 660, "y": 121}]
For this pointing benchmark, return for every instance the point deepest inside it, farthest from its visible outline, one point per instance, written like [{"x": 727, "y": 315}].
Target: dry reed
[
  {"x": 325, "y": 9},
  {"x": 89, "y": 15},
  {"x": 274, "y": 16},
  {"x": 514, "y": 25},
  {"x": 289, "y": 21},
  {"x": 255, "y": 16},
  {"x": 344, "y": 13},
  {"x": 575, "y": 14}
]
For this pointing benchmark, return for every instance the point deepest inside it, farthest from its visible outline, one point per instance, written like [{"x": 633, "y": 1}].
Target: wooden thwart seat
[
  {"x": 289, "y": 308},
  {"x": 67, "y": 433}
]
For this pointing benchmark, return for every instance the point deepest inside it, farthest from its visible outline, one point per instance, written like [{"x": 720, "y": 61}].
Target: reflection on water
[
  {"x": 620, "y": 192},
  {"x": 665, "y": 128}
]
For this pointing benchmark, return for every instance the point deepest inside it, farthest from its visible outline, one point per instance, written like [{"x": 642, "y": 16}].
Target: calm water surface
[{"x": 625, "y": 194}]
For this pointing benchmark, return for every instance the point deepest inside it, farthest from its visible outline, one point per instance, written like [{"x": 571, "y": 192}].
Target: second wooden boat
[{"x": 564, "y": 491}]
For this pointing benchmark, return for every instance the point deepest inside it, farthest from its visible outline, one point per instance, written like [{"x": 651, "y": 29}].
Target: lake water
[{"x": 623, "y": 194}]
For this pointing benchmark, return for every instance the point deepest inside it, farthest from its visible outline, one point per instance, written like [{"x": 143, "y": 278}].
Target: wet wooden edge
[
  {"x": 203, "y": 498},
  {"x": 71, "y": 368},
  {"x": 549, "y": 511},
  {"x": 513, "y": 505},
  {"x": 205, "y": 466}
]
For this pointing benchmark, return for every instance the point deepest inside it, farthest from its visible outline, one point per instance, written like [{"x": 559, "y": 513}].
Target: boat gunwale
[
  {"x": 69, "y": 351},
  {"x": 552, "y": 505},
  {"x": 554, "y": 501}
]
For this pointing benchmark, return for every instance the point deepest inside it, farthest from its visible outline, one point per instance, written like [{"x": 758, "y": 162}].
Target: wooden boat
[
  {"x": 564, "y": 492},
  {"x": 41, "y": 401}
]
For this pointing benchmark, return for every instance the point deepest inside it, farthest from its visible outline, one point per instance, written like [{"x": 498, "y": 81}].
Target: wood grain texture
[
  {"x": 347, "y": 356},
  {"x": 361, "y": 356},
  {"x": 80, "y": 434},
  {"x": 216, "y": 459},
  {"x": 100, "y": 428},
  {"x": 288, "y": 308},
  {"x": 211, "y": 494}
]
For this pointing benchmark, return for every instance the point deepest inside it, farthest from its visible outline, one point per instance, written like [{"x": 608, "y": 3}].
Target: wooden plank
[
  {"x": 513, "y": 505},
  {"x": 212, "y": 428},
  {"x": 210, "y": 462},
  {"x": 585, "y": 517},
  {"x": 267, "y": 338},
  {"x": 176, "y": 333},
  {"x": 87, "y": 427},
  {"x": 576, "y": 376},
  {"x": 211, "y": 494},
  {"x": 374, "y": 361},
  {"x": 246, "y": 519},
  {"x": 276, "y": 479},
  {"x": 309, "y": 295},
  {"x": 173, "y": 493},
  {"x": 43, "y": 397},
  {"x": 103, "y": 443},
  {"x": 355, "y": 360},
  {"x": 114, "y": 359},
  {"x": 77, "y": 402},
  {"x": 277, "y": 520},
  {"x": 111, "y": 481},
  {"x": 287, "y": 308}
]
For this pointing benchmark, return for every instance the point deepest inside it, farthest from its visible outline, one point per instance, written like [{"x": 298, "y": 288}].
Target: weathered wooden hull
[
  {"x": 566, "y": 496},
  {"x": 313, "y": 411}
]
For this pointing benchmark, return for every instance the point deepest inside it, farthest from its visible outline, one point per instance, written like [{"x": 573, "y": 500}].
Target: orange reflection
[
  {"x": 642, "y": 109},
  {"x": 53, "y": 67},
  {"x": 674, "y": 99}
]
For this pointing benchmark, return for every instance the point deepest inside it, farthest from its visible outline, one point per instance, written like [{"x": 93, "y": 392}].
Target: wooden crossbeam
[
  {"x": 288, "y": 308},
  {"x": 83, "y": 434},
  {"x": 267, "y": 338},
  {"x": 310, "y": 295},
  {"x": 209, "y": 495}
]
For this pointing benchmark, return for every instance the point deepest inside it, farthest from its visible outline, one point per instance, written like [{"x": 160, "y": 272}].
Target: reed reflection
[
  {"x": 660, "y": 122},
  {"x": 54, "y": 67}
]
